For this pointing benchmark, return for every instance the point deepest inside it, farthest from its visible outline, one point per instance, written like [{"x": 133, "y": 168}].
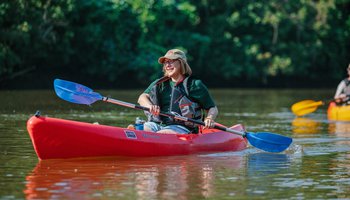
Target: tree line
[{"x": 230, "y": 43}]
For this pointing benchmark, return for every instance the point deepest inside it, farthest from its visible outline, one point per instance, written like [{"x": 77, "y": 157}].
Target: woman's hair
[{"x": 185, "y": 69}]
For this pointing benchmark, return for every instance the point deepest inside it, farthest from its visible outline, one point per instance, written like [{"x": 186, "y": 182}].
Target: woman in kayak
[
  {"x": 177, "y": 93},
  {"x": 343, "y": 90}
]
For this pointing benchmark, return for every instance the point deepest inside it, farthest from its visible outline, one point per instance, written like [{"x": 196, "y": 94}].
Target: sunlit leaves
[
  {"x": 190, "y": 11},
  {"x": 278, "y": 65}
]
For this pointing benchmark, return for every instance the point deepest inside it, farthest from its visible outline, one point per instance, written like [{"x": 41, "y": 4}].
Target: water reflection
[
  {"x": 135, "y": 178},
  {"x": 261, "y": 164},
  {"x": 264, "y": 167},
  {"x": 341, "y": 162},
  {"x": 341, "y": 129},
  {"x": 302, "y": 125},
  {"x": 184, "y": 177}
]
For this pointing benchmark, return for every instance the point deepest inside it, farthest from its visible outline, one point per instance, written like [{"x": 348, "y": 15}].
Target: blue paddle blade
[
  {"x": 75, "y": 93},
  {"x": 269, "y": 142}
]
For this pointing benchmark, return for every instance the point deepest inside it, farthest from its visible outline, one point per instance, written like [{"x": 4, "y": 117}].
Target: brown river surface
[{"x": 316, "y": 166}]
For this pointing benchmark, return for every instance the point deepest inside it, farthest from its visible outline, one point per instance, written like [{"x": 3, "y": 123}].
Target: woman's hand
[
  {"x": 154, "y": 110},
  {"x": 144, "y": 100},
  {"x": 209, "y": 120},
  {"x": 209, "y": 123},
  {"x": 341, "y": 98}
]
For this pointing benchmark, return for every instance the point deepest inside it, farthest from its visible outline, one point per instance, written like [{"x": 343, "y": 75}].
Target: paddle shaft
[{"x": 178, "y": 117}]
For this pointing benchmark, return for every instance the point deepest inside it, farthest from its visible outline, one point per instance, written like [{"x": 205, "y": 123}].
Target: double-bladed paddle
[{"x": 80, "y": 94}]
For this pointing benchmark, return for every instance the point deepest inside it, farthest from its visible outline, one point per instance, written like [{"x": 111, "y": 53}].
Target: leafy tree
[{"x": 230, "y": 43}]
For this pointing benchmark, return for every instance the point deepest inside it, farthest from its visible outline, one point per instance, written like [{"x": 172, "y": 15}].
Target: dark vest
[{"x": 180, "y": 103}]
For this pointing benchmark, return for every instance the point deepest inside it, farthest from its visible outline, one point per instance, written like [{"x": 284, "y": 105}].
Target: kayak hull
[
  {"x": 338, "y": 113},
  {"x": 55, "y": 138}
]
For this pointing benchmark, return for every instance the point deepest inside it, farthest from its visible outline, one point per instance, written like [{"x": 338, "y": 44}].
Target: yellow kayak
[{"x": 339, "y": 113}]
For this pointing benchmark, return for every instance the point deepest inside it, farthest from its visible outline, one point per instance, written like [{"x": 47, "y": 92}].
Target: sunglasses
[{"x": 169, "y": 62}]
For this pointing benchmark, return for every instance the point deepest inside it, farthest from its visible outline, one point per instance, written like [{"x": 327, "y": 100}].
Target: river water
[{"x": 316, "y": 166}]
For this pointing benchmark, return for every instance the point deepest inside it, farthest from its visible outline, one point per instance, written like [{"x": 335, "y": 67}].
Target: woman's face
[{"x": 172, "y": 68}]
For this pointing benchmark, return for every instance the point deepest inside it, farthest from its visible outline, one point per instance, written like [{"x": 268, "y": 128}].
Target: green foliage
[
  {"x": 104, "y": 38},
  {"x": 117, "y": 43}
]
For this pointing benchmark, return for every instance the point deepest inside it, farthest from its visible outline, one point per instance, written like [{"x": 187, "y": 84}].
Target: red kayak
[{"x": 54, "y": 138}]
